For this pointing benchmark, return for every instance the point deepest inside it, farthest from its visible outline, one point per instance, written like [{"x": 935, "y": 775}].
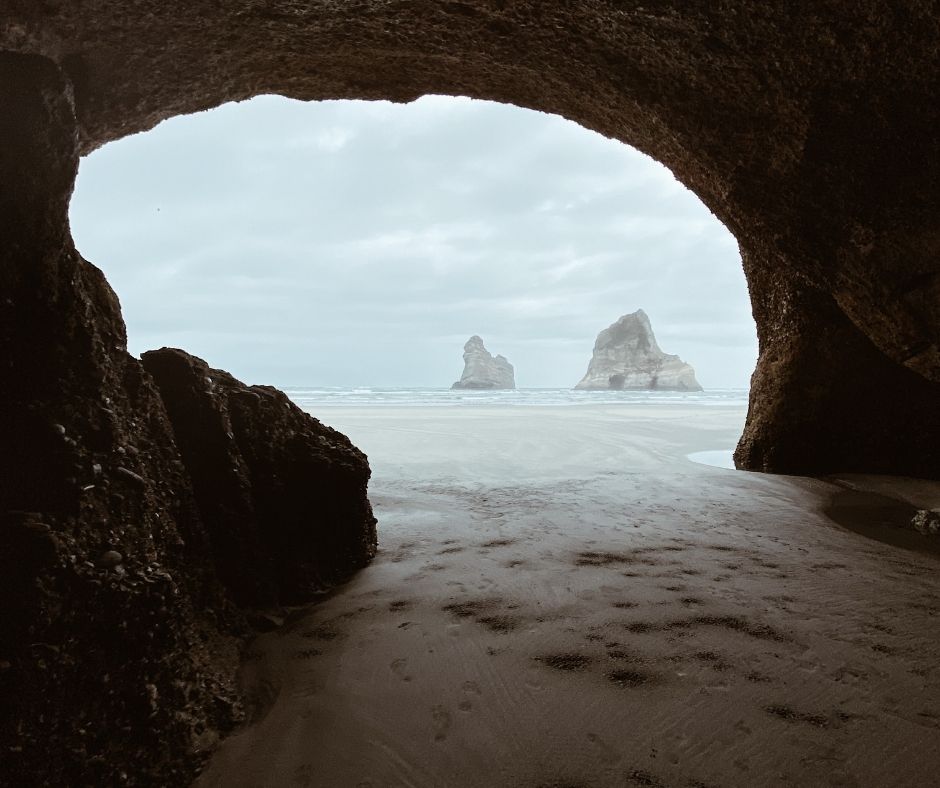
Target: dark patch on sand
[
  {"x": 791, "y": 715},
  {"x": 569, "y": 662},
  {"x": 625, "y": 605},
  {"x": 757, "y": 677},
  {"x": 759, "y": 631},
  {"x": 482, "y": 611},
  {"x": 472, "y": 608},
  {"x": 499, "y": 623},
  {"x": 640, "y": 627},
  {"x": 307, "y": 653},
  {"x": 628, "y": 678},
  {"x": 498, "y": 543},
  {"x": 321, "y": 633},
  {"x": 449, "y": 551},
  {"x": 605, "y": 558},
  {"x": 625, "y": 656},
  {"x": 602, "y": 559},
  {"x": 641, "y": 777},
  {"x": 400, "y": 605},
  {"x": 713, "y": 658}
]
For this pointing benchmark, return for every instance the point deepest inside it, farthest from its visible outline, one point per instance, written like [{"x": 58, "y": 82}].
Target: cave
[{"x": 809, "y": 133}]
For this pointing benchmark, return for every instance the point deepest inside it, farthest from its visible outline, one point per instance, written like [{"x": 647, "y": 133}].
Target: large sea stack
[
  {"x": 626, "y": 356},
  {"x": 483, "y": 371}
]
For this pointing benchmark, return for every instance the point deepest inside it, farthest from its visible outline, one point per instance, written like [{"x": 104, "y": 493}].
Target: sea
[{"x": 311, "y": 398}]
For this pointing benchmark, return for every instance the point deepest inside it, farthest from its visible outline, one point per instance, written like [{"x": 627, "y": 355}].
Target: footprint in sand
[
  {"x": 400, "y": 668},
  {"x": 441, "y": 718}
]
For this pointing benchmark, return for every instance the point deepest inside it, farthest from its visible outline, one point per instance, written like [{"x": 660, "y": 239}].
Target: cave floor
[{"x": 562, "y": 599}]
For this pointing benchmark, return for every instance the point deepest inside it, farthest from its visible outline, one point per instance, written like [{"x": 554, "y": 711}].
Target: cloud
[{"x": 349, "y": 243}]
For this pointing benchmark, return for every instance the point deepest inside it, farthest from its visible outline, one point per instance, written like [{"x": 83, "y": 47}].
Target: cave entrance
[{"x": 353, "y": 246}]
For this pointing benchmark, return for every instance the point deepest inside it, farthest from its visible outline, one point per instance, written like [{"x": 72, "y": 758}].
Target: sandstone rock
[
  {"x": 283, "y": 496},
  {"x": 626, "y": 356},
  {"x": 482, "y": 370}
]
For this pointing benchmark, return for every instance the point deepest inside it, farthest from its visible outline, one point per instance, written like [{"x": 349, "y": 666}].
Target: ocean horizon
[{"x": 308, "y": 397}]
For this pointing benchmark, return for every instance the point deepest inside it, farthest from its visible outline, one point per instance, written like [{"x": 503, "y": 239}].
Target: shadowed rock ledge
[{"x": 282, "y": 496}]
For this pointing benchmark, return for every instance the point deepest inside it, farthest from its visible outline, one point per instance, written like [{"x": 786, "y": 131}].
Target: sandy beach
[{"x": 561, "y": 598}]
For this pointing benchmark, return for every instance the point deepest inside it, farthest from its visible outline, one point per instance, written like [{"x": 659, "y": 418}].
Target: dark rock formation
[
  {"x": 627, "y": 356},
  {"x": 481, "y": 370},
  {"x": 111, "y": 672},
  {"x": 282, "y": 496},
  {"x": 118, "y": 643},
  {"x": 809, "y": 130}
]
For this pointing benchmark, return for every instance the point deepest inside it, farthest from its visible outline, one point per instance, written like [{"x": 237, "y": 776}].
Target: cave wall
[
  {"x": 112, "y": 650},
  {"x": 119, "y": 630},
  {"x": 808, "y": 129}
]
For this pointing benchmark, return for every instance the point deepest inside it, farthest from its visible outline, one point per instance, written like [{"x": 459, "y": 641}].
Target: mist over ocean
[{"x": 312, "y": 397}]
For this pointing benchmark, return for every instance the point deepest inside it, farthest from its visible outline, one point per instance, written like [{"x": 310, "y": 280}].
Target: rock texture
[
  {"x": 626, "y": 356},
  {"x": 118, "y": 642},
  {"x": 809, "y": 130},
  {"x": 282, "y": 496},
  {"x": 481, "y": 370}
]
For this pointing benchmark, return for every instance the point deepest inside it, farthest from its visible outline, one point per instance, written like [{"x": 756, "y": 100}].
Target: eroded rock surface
[
  {"x": 118, "y": 642},
  {"x": 482, "y": 370},
  {"x": 283, "y": 497},
  {"x": 627, "y": 356}
]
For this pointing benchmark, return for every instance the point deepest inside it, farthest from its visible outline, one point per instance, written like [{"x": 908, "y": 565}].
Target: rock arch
[
  {"x": 810, "y": 134},
  {"x": 809, "y": 131}
]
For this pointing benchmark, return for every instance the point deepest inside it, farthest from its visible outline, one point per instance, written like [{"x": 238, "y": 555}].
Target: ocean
[{"x": 311, "y": 398}]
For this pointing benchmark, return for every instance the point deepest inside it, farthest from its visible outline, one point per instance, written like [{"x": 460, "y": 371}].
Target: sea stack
[
  {"x": 627, "y": 357},
  {"x": 482, "y": 371}
]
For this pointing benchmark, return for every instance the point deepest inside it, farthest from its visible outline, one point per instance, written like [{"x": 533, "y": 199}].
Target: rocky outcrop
[
  {"x": 627, "y": 357},
  {"x": 118, "y": 642},
  {"x": 282, "y": 496},
  {"x": 481, "y": 370}
]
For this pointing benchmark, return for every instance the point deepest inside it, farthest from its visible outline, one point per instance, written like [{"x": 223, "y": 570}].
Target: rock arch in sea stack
[{"x": 808, "y": 129}]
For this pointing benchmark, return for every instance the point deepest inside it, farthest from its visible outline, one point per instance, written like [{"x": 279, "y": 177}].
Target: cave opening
[
  {"x": 810, "y": 135},
  {"x": 355, "y": 245}
]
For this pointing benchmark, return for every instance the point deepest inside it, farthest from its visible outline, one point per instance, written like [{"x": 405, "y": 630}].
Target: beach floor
[{"x": 561, "y": 598}]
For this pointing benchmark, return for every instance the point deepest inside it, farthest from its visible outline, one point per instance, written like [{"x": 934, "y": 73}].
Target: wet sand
[{"x": 562, "y": 599}]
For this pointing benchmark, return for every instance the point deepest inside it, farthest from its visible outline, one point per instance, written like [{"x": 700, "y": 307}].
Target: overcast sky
[{"x": 361, "y": 243}]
